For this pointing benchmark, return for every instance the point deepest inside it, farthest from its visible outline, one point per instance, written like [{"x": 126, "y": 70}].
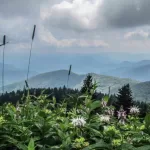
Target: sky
[{"x": 75, "y": 26}]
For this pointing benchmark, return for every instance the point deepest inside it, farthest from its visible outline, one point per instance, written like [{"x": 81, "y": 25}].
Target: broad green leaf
[
  {"x": 106, "y": 98},
  {"x": 127, "y": 147},
  {"x": 145, "y": 147},
  {"x": 94, "y": 105},
  {"x": 31, "y": 145}
]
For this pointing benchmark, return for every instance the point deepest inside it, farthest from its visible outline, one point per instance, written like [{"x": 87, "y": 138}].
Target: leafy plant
[{"x": 40, "y": 123}]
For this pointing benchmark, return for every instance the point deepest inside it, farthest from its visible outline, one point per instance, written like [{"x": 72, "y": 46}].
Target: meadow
[{"x": 44, "y": 124}]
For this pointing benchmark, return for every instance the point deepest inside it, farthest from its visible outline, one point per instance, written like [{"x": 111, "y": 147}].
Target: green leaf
[
  {"x": 106, "y": 98},
  {"x": 127, "y": 147},
  {"x": 21, "y": 146},
  {"x": 101, "y": 145},
  {"x": 147, "y": 120},
  {"x": 54, "y": 100},
  {"x": 146, "y": 147},
  {"x": 83, "y": 96},
  {"x": 95, "y": 105},
  {"x": 31, "y": 145}
]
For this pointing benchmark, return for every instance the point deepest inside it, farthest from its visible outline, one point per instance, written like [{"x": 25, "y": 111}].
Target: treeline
[
  {"x": 123, "y": 98},
  {"x": 58, "y": 93}
]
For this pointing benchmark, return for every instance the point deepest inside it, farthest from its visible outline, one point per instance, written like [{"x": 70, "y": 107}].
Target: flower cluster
[
  {"x": 134, "y": 110},
  {"x": 121, "y": 116},
  {"x": 78, "y": 122},
  {"x": 105, "y": 118},
  {"x": 104, "y": 103},
  {"x": 110, "y": 111}
]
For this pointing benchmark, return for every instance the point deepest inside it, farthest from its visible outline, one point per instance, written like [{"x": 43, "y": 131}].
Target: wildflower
[
  {"x": 18, "y": 109},
  {"x": 121, "y": 116},
  {"x": 105, "y": 118},
  {"x": 110, "y": 111},
  {"x": 134, "y": 110},
  {"x": 104, "y": 103},
  {"x": 78, "y": 122}
]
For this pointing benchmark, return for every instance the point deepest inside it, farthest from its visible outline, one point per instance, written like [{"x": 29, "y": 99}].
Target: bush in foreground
[{"x": 43, "y": 124}]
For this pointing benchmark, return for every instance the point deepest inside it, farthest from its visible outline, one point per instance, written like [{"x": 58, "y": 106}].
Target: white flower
[
  {"x": 104, "y": 103},
  {"x": 110, "y": 111},
  {"x": 134, "y": 110},
  {"x": 78, "y": 122},
  {"x": 18, "y": 109},
  {"x": 105, "y": 118}
]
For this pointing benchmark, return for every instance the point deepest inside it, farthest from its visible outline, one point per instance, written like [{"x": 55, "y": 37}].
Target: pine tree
[
  {"x": 124, "y": 98},
  {"x": 87, "y": 84}
]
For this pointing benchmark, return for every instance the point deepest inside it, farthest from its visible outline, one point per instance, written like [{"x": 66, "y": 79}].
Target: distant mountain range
[
  {"x": 81, "y": 64},
  {"x": 135, "y": 70},
  {"x": 108, "y": 73},
  {"x": 13, "y": 74},
  {"x": 59, "y": 79}
]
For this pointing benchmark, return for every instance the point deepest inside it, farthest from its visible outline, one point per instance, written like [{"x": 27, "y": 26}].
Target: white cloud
[
  {"x": 83, "y": 15},
  {"x": 47, "y": 37},
  {"x": 76, "y": 23},
  {"x": 77, "y": 15},
  {"x": 137, "y": 35}
]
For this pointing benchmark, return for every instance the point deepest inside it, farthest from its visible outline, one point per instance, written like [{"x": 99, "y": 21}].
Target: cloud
[
  {"x": 83, "y": 15},
  {"x": 137, "y": 35},
  {"x": 48, "y": 38},
  {"x": 126, "y": 13},
  {"x": 19, "y": 8},
  {"x": 77, "y": 15},
  {"x": 79, "y": 24}
]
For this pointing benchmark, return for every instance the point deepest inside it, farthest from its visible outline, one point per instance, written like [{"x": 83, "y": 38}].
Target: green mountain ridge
[
  {"x": 141, "y": 91},
  {"x": 59, "y": 79}
]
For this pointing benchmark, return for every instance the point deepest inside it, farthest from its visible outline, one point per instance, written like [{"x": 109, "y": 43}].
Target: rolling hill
[
  {"x": 141, "y": 91},
  {"x": 59, "y": 78}
]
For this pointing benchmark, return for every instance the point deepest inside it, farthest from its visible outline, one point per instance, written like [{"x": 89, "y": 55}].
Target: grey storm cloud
[
  {"x": 126, "y": 13},
  {"x": 91, "y": 15},
  {"x": 74, "y": 23},
  {"x": 19, "y": 8}
]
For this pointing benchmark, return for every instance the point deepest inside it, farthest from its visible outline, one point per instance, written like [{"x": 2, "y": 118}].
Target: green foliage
[{"x": 77, "y": 123}]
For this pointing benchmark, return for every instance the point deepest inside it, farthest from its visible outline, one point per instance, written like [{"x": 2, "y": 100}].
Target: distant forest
[{"x": 61, "y": 94}]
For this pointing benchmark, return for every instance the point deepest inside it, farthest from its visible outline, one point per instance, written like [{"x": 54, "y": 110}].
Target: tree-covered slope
[{"x": 59, "y": 79}]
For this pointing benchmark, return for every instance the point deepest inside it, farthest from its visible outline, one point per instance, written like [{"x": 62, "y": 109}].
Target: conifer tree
[
  {"x": 87, "y": 84},
  {"x": 124, "y": 98}
]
